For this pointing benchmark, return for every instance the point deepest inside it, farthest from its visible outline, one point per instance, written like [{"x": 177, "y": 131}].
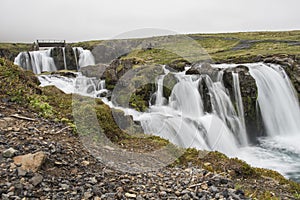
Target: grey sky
[{"x": 77, "y": 20}]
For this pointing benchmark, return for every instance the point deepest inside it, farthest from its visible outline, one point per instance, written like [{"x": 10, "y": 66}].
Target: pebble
[
  {"x": 130, "y": 195},
  {"x": 9, "y": 153},
  {"x": 36, "y": 180}
]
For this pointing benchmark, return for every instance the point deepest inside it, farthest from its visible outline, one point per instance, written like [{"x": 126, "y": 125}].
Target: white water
[
  {"x": 76, "y": 59},
  {"x": 65, "y": 59},
  {"x": 37, "y": 61},
  {"x": 278, "y": 103},
  {"x": 181, "y": 118},
  {"x": 160, "y": 99},
  {"x": 41, "y": 61},
  {"x": 240, "y": 108},
  {"x": 86, "y": 57}
]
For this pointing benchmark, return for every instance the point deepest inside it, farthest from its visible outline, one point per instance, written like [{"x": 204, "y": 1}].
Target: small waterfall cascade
[
  {"x": 65, "y": 59},
  {"x": 85, "y": 57},
  {"x": 183, "y": 121},
  {"x": 44, "y": 61},
  {"x": 76, "y": 57},
  {"x": 240, "y": 108},
  {"x": 37, "y": 61},
  {"x": 160, "y": 99},
  {"x": 224, "y": 109},
  {"x": 277, "y": 100}
]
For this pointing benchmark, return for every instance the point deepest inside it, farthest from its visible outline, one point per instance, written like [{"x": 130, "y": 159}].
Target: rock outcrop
[
  {"x": 58, "y": 57},
  {"x": 249, "y": 95}
]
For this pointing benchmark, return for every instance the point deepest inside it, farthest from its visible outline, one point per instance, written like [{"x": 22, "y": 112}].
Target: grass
[{"x": 194, "y": 47}]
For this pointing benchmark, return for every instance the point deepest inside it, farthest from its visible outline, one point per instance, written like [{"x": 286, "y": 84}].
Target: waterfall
[
  {"x": 223, "y": 107},
  {"x": 37, "y": 61},
  {"x": 85, "y": 57},
  {"x": 276, "y": 98},
  {"x": 76, "y": 59},
  {"x": 183, "y": 121},
  {"x": 160, "y": 99},
  {"x": 240, "y": 108},
  {"x": 64, "y": 55},
  {"x": 41, "y": 61}
]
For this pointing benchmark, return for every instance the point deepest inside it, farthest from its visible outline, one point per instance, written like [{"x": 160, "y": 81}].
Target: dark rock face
[
  {"x": 204, "y": 91},
  {"x": 58, "y": 57},
  {"x": 249, "y": 95},
  {"x": 169, "y": 82}
]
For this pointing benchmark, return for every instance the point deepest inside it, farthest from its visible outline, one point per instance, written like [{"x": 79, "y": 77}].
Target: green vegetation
[
  {"x": 11, "y": 50},
  {"x": 222, "y": 47}
]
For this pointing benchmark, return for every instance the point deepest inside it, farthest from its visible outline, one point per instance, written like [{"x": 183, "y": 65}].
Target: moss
[
  {"x": 138, "y": 103},
  {"x": 39, "y": 103},
  {"x": 179, "y": 64}
]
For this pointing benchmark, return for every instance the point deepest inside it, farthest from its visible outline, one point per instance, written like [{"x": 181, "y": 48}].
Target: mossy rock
[
  {"x": 179, "y": 64},
  {"x": 136, "y": 87}
]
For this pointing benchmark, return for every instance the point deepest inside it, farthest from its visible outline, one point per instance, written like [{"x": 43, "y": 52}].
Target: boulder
[
  {"x": 97, "y": 71},
  {"x": 118, "y": 68},
  {"x": 179, "y": 64},
  {"x": 204, "y": 69},
  {"x": 30, "y": 162}
]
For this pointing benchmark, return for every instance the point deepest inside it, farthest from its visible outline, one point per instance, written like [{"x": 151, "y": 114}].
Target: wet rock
[
  {"x": 249, "y": 93},
  {"x": 203, "y": 69},
  {"x": 31, "y": 162}
]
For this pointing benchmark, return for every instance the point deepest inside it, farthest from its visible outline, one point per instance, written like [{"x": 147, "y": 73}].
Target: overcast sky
[{"x": 77, "y": 20}]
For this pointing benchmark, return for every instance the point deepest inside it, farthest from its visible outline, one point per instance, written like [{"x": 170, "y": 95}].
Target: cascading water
[
  {"x": 42, "y": 61},
  {"x": 160, "y": 99},
  {"x": 278, "y": 103},
  {"x": 76, "y": 59},
  {"x": 37, "y": 61},
  {"x": 223, "y": 107},
  {"x": 240, "y": 108},
  {"x": 183, "y": 121},
  {"x": 85, "y": 57},
  {"x": 65, "y": 59}
]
